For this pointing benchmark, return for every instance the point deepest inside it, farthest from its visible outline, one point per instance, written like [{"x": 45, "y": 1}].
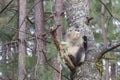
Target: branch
[
  {"x": 53, "y": 66},
  {"x": 108, "y": 10},
  {"x": 58, "y": 46},
  {"x": 114, "y": 45},
  {"x": 29, "y": 20},
  {"x": 6, "y": 6},
  {"x": 53, "y": 36}
]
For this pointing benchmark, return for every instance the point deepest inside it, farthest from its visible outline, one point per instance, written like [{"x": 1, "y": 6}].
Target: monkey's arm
[
  {"x": 67, "y": 59},
  {"x": 68, "y": 62}
]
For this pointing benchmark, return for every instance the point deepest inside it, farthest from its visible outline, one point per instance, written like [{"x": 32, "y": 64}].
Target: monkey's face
[{"x": 73, "y": 33}]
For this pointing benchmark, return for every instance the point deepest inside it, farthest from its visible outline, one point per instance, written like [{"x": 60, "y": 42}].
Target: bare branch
[
  {"x": 109, "y": 11},
  {"x": 109, "y": 48},
  {"x": 29, "y": 20},
  {"x": 53, "y": 66},
  {"x": 11, "y": 19},
  {"x": 106, "y": 8},
  {"x": 53, "y": 36},
  {"x": 6, "y": 6}
]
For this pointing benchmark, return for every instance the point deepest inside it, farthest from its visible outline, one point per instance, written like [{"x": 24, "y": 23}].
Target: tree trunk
[
  {"x": 104, "y": 36},
  {"x": 4, "y": 51},
  {"x": 56, "y": 74},
  {"x": 58, "y": 23},
  {"x": 113, "y": 71},
  {"x": 58, "y": 18},
  {"x": 88, "y": 5},
  {"x": 40, "y": 40},
  {"x": 77, "y": 11},
  {"x": 22, "y": 37},
  {"x": 39, "y": 31}
]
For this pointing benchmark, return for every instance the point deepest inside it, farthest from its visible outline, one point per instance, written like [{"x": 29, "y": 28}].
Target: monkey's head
[{"x": 73, "y": 34}]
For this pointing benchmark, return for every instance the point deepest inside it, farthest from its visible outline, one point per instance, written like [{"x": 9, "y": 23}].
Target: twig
[
  {"x": 108, "y": 10},
  {"x": 6, "y": 6},
  {"x": 29, "y": 20},
  {"x": 11, "y": 19},
  {"x": 52, "y": 66}
]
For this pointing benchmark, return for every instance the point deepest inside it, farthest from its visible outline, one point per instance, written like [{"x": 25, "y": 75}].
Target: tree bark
[
  {"x": 4, "y": 51},
  {"x": 39, "y": 31},
  {"x": 104, "y": 36},
  {"x": 58, "y": 18},
  {"x": 58, "y": 23},
  {"x": 39, "y": 38},
  {"x": 22, "y": 39},
  {"x": 77, "y": 11},
  {"x": 57, "y": 66},
  {"x": 113, "y": 71}
]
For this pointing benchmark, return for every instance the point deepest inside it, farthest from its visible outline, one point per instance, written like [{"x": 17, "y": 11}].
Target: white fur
[
  {"x": 73, "y": 42},
  {"x": 73, "y": 50},
  {"x": 82, "y": 57}
]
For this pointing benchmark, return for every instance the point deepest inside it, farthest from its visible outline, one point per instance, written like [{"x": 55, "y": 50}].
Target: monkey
[{"x": 76, "y": 46}]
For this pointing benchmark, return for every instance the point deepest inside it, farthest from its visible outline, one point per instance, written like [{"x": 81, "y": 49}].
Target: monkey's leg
[
  {"x": 80, "y": 56},
  {"x": 69, "y": 62}
]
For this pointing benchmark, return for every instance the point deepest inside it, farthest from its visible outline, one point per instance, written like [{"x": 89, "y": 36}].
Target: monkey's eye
[
  {"x": 70, "y": 30},
  {"x": 76, "y": 26},
  {"x": 77, "y": 30}
]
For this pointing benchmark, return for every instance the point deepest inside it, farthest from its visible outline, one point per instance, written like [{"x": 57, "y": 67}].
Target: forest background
[{"x": 25, "y": 34}]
